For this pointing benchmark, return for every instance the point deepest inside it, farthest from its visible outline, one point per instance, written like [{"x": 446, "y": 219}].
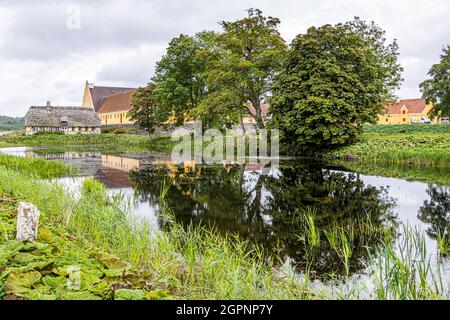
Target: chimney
[{"x": 48, "y": 104}]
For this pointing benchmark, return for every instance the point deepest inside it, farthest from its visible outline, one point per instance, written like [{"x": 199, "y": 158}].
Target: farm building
[
  {"x": 70, "y": 120},
  {"x": 405, "y": 111},
  {"x": 111, "y": 103}
]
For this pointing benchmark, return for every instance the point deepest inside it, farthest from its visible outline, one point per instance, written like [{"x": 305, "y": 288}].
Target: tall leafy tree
[
  {"x": 335, "y": 79},
  {"x": 180, "y": 75},
  {"x": 436, "y": 90},
  {"x": 144, "y": 109},
  {"x": 252, "y": 53}
]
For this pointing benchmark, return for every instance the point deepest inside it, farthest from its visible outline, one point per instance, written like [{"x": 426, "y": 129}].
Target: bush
[
  {"x": 40, "y": 133},
  {"x": 121, "y": 130}
]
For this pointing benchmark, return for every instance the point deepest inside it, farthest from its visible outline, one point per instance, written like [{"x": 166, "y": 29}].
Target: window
[
  {"x": 404, "y": 119},
  {"x": 387, "y": 119},
  {"x": 403, "y": 111}
]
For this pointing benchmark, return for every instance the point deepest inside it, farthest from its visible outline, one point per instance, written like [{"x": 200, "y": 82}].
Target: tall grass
[
  {"x": 423, "y": 150},
  {"x": 40, "y": 167}
]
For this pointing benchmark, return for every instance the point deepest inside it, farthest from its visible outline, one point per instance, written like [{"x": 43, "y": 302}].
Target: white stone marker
[{"x": 27, "y": 222}]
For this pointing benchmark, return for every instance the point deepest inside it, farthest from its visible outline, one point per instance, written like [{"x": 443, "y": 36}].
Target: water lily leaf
[
  {"x": 56, "y": 283},
  {"x": 18, "y": 283},
  {"x": 129, "y": 294}
]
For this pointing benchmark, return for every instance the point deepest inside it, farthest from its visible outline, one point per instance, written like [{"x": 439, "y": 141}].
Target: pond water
[{"x": 262, "y": 204}]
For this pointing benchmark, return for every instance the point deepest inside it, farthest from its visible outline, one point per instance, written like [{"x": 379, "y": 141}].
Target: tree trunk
[
  {"x": 241, "y": 121},
  {"x": 258, "y": 117}
]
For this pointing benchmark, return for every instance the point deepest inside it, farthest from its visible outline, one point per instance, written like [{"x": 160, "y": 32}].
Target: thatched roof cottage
[{"x": 70, "y": 120}]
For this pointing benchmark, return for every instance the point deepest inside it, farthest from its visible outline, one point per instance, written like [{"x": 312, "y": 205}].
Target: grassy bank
[
  {"x": 405, "y": 128},
  {"x": 192, "y": 263},
  {"x": 436, "y": 175},
  {"x": 419, "y": 149},
  {"x": 34, "y": 166},
  {"x": 111, "y": 140}
]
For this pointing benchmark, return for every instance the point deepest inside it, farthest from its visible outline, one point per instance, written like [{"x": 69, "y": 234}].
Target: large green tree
[
  {"x": 144, "y": 109},
  {"x": 436, "y": 90},
  {"x": 252, "y": 54},
  {"x": 336, "y": 78},
  {"x": 180, "y": 75}
]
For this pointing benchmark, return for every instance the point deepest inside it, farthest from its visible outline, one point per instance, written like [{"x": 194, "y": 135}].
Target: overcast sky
[{"x": 48, "y": 49}]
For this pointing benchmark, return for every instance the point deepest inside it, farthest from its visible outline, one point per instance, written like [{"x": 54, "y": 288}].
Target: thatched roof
[{"x": 51, "y": 116}]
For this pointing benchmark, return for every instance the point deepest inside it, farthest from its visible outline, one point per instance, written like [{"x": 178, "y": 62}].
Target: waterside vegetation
[{"x": 195, "y": 262}]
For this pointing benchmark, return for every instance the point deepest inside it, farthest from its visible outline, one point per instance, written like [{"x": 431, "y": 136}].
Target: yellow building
[
  {"x": 110, "y": 103},
  {"x": 406, "y": 111}
]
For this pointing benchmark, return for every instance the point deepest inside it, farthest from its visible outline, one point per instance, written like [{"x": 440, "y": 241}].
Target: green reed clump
[
  {"x": 40, "y": 167},
  {"x": 405, "y": 271}
]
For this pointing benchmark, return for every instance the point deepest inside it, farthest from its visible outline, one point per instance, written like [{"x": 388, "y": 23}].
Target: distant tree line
[{"x": 11, "y": 123}]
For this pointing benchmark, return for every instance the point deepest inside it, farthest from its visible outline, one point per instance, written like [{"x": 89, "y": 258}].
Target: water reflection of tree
[
  {"x": 436, "y": 211},
  {"x": 268, "y": 209}
]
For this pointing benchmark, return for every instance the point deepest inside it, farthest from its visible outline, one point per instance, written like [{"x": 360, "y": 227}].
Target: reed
[{"x": 39, "y": 167}]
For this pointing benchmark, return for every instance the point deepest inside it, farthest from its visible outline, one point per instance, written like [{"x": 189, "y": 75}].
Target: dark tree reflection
[
  {"x": 436, "y": 211},
  {"x": 269, "y": 209}
]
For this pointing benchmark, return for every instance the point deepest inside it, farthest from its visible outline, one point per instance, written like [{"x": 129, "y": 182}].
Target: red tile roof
[
  {"x": 413, "y": 106},
  {"x": 99, "y": 93},
  {"x": 117, "y": 102}
]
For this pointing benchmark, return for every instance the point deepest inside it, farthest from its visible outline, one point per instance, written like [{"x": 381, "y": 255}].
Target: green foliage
[
  {"x": 35, "y": 166},
  {"x": 11, "y": 123},
  {"x": 252, "y": 54},
  {"x": 437, "y": 89},
  {"x": 143, "y": 109},
  {"x": 59, "y": 265},
  {"x": 335, "y": 79},
  {"x": 389, "y": 129},
  {"x": 420, "y": 149},
  {"x": 179, "y": 75},
  {"x": 114, "y": 141},
  {"x": 44, "y": 133}
]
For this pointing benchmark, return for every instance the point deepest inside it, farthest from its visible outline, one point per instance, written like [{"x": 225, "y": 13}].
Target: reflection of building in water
[
  {"x": 62, "y": 155},
  {"x": 120, "y": 163}
]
